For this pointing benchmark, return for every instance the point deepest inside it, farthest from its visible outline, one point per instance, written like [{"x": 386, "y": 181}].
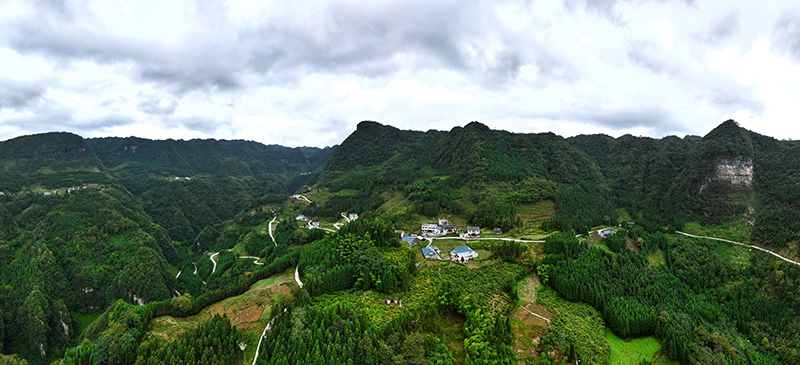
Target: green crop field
[{"x": 633, "y": 351}]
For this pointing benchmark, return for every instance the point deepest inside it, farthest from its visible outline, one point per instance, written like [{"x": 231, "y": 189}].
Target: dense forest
[
  {"x": 186, "y": 186},
  {"x": 101, "y": 237}
]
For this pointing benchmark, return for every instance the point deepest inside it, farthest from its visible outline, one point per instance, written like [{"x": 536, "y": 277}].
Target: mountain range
[{"x": 85, "y": 222}]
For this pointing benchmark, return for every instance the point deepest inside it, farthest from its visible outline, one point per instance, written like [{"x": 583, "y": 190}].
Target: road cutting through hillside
[
  {"x": 270, "y": 230},
  {"x": 741, "y": 244},
  {"x": 214, "y": 262}
]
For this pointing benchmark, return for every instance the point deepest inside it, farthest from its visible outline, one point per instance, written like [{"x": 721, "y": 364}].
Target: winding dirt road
[{"x": 270, "y": 230}]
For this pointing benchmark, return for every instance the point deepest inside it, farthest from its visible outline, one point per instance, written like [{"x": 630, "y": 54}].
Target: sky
[{"x": 304, "y": 73}]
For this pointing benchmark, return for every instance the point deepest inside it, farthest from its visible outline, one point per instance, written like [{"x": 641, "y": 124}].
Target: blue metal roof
[
  {"x": 608, "y": 231},
  {"x": 408, "y": 239},
  {"x": 428, "y": 251},
  {"x": 473, "y": 228},
  {"x": 460, "y": 250}
]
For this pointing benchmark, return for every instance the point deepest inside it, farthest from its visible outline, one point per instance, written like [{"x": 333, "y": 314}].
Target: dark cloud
[
  {"x": 195, "y": 123},
  {"x": 736, "y": 98},
  {"x": 650, "y": 56},
  {"x": 17, "y": 95},
  {"x": 158, "y": 105},
  {"x": 786, "y": 35},
  {"x": 723, "y": 29},
  {"x": 655, "y": 118},
  {"x": 62, "y": 119},
  {"x": 370, "y": 39}
]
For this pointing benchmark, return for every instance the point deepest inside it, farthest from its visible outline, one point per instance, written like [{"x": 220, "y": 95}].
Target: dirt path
[
  {"x": 297, "y": 276},
  {"x": 270, "y": 230},
  {"x": 741, "y": 244},
  {"x": 213, "y": 255},
  {"x": 255, "y": 259},
  {"x": 269, "y": 325}
]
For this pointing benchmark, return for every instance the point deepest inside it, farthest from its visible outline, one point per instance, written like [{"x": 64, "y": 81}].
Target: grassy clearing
[
  {"x": 581, "y": 325},
  {"x": 633, "y": 351},
  {"x": 734, "y": 254},
  {"x": 736, "y": 230},
  {"x": 657, "y": 258},
  {"x": 453, "y": 336},
  {"x": 532, "y": 215},
  {"x": 84, "y": 320},
  {"x": 370, "y": 303},
  {"x": 623, "y": 215}
]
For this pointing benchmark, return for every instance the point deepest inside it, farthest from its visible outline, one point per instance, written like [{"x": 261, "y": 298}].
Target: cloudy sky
[{"x": 306, "y": 72}]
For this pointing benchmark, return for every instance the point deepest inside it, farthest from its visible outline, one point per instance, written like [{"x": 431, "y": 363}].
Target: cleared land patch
[
  {"x": 246, "y": 311},
  {"x": 631, "y": 352}
]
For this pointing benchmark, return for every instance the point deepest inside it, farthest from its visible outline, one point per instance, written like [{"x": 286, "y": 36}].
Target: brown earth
[{"x": 245, "y": 311}]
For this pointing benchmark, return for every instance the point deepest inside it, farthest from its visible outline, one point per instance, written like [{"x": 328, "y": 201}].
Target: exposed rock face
[{"x": 738, "y": 171}]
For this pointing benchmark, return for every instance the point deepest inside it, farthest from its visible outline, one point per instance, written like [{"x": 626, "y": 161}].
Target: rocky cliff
[{"x": 738, "y": 171}]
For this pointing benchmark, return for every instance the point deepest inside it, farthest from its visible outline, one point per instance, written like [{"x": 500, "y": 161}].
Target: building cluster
[{"x": 443, "y": 227}]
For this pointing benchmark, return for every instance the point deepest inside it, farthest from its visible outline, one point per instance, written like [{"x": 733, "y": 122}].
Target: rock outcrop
[{"x": 738, "y": 171}]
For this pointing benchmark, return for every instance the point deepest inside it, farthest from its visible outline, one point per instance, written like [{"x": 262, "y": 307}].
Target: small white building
[
  {"x": 429, "y": 228},
  {"x": 302, "y": 218},
  {"x": 463, "y": 254},
  {"x": 473, "y": 232},
  {"x": 443, "y": 222}
]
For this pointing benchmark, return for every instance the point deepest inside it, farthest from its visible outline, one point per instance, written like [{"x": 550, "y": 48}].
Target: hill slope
[{"x": 188, "y": 185}]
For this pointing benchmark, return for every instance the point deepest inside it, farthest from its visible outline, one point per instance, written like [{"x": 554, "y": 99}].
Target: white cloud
[{"x": 298, "y": 73}]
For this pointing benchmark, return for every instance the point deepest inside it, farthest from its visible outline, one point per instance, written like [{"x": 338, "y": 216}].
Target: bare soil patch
[{"x": 245, "y": 311}]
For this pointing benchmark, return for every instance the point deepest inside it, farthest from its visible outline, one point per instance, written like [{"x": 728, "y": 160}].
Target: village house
[
  {"x": 606, "y": 233},
  {"x": 313, "y": 225},
  {"x": 472, "y": 232},
  {"x": 412, "y": 241},
  {"x": 352, "y": 216},
  {"x": 449, "y": 228},
  {"x": 497, "y": 230},
  {"x": 431, "y": 253},
  {"x": 463, "y": 254},
  {"x": 443, "y": 221},
  {"x": 431, "y": 229},
  {"x": 302, "y": 218}
]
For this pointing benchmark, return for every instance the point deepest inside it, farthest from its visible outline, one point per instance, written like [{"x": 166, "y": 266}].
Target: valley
[{"x": 589, "y": 250}]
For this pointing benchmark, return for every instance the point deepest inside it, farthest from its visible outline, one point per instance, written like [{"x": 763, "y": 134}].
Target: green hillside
[
  {"x": 189, "y": 185},
  {"x": 48, "y": 160}
]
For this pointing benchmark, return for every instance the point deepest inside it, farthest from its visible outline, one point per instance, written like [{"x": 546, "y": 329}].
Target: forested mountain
[
  {"x": 729, "y": 174},
  {"x": 49, "y": 160},
  {"x": 188, "y": 185},
  {"x": 78, "y": 231}
]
